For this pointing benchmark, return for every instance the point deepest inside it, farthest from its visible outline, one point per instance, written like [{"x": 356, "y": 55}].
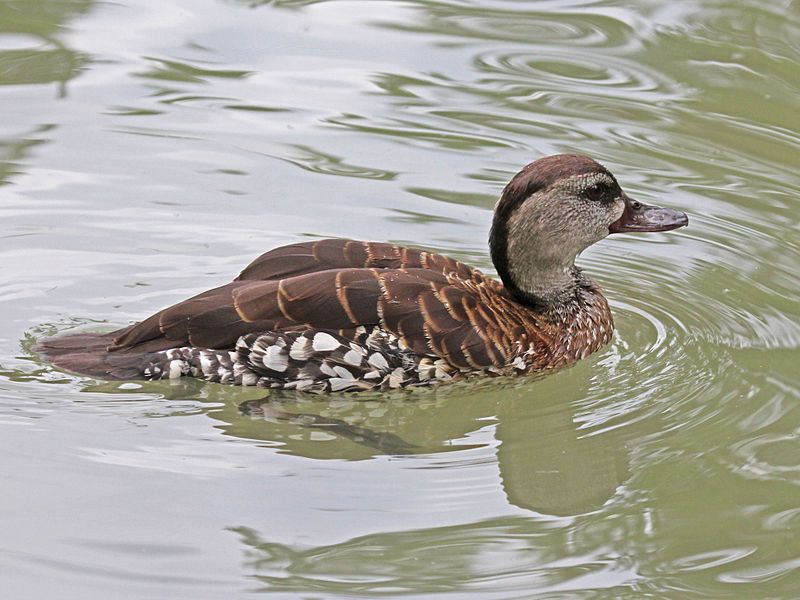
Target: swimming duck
[{"x": 346, "y": 315}]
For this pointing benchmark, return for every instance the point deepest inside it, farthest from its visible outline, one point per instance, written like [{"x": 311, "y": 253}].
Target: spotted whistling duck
[{"x": 345, "y": 315}]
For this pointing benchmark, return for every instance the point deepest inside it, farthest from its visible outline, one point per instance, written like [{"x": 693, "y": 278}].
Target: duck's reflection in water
[
  {"x": 549, "y": 459},
  {"x": 383, "y": 441},
  {"x": 548, "y": 463},
  {"x": 498, "y": 463}
]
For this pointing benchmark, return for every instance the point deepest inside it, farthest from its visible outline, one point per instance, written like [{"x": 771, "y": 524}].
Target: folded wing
[
  {"x": 321, "y": 255},
  {"x": 434, "y": 313}
]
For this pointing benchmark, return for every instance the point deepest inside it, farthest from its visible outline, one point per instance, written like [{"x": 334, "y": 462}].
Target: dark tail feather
[{"x": 87, "y": 354}]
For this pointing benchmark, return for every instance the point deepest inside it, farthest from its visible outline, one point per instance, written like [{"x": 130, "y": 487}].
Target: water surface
[{"x": 149, "y": 150}]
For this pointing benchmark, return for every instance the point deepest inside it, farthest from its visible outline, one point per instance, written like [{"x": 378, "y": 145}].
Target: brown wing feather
[
  {"x": 333, "y": 299},
  {"x": 153, "y": 327},
  {"x": 208, "y": 320},
  {"x": 437, "y": 308},
  {"x": 427, "y": 310},
  {"x": 321, "y": 255}
]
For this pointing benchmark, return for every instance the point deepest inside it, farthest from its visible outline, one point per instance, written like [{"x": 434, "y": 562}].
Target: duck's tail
[{"x": 87, "y": 354}]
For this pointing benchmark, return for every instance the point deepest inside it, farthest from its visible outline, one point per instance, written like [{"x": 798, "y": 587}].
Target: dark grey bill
[{"x": 643, "y": 217}]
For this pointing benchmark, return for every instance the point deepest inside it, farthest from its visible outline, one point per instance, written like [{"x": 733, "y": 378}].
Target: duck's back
[{"x": 321, "y": 255}]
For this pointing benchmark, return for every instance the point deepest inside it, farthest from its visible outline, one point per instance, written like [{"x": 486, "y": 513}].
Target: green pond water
[{"x": 150, "y": 149}]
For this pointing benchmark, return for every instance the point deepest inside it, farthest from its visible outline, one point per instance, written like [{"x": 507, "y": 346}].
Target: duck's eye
[{"x": 596, "y": 192}]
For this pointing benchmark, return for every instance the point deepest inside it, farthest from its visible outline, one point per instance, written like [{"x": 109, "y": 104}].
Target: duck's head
[{"x": 551, "y": 211}]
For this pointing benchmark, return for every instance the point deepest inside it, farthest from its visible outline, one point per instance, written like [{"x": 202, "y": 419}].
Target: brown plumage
[{"x": 429, "y": 316}]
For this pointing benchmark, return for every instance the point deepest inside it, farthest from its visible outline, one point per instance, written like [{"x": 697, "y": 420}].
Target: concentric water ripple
[
  {"x": 562, "y": 71},
  {"x": 466, "y": 24}
]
